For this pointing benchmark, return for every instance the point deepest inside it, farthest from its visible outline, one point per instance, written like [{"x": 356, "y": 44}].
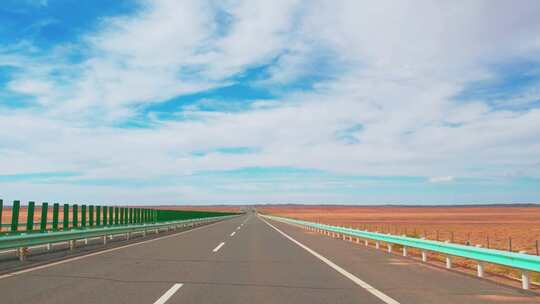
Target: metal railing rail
[
  {"x": 23, "y": 241},
  {"x": 522, "y": 261}
]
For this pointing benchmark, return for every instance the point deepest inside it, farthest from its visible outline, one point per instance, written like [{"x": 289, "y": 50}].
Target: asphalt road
[{"x": 246, "y": 260}]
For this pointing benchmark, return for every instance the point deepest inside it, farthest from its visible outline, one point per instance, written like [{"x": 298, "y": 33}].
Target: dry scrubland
[{"x": 493, "y": 226}]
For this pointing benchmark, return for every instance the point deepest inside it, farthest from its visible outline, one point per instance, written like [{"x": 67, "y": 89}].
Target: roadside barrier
[
  {"x": 65, "y": 217},
  {"x": 521, "y": 261},
  {"x": 84, "y": 222},
  {"x": 22, "y": 242}
]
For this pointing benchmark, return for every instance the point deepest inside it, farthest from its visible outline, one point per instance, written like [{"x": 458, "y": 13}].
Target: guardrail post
[
  {"x": 448, "y": 262},
  {"x": 377, "y": 245},
  {"x": 71, "y": 245},
  {"x": 404, "y": 251},
  {"x": 424, "y": 256},
  {"x": 480, "y": 269},
  {"x": 30, "y": 216},
  {"x": 15, "y": 216},
  {"x": 389, "y": 248},
  {"x": 366, "y": 242},
  {"x": 104, "y": 239},
  {"x": 22, "y": 252},
  {"x": 525, "y": 279}
]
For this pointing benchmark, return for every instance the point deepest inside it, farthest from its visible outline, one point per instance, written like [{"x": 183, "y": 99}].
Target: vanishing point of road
[{"x": 247, "y": 259}]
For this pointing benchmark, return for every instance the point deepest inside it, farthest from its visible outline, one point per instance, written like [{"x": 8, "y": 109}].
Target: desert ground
[{"x": 498, "y": 227}]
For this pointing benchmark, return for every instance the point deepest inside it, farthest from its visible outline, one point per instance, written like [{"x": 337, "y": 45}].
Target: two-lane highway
[{"x": 247, "y": 260}]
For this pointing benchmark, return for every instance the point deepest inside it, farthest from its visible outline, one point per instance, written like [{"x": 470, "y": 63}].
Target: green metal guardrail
[
  {"x": 89, "y": 221},
  {"x": 524, "y": 262},
  {"x": 42, "y": 238}
]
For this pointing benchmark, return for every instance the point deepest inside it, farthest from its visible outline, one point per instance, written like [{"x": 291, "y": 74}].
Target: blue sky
[{"x": 290, "y": 101}]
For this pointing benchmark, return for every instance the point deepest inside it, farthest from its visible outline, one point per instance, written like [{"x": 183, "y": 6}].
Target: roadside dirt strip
[{"x": 245, "y": 260}]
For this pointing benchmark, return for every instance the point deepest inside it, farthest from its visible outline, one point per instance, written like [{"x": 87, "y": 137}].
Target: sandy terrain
[{"x": 492, "y": 226}]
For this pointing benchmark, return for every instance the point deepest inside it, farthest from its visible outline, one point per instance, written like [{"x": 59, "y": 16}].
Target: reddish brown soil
[{"x": 491, "y": 226}]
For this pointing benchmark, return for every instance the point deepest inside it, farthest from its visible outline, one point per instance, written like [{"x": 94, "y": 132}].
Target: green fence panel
[
  {"x": 1, "y": 209},
  {"x": 130, "y": 221},
  {"x": 65, "y": 222},
  {"x": 116, "y": 216},
  {"x": 43, "y": 220},
  {"x": 104, "y": 215},
  {"x": 83, "y": 216},
  {"x": 98, "y": 215},
  {"x": 91, "y": 215},
  {"x": 56, "y": 210},
  {"x": 15, "y": 215},
  {"x": 111, "y": 215},
  {"x": 30, "y": 216},
  {"x": 75, "y": 216},
  {"x": 121, "y": 215}
]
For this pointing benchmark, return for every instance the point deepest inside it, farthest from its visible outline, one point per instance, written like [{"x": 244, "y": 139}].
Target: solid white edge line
[
  {"x": 167, "y": 295},
  {"x": 345, "y": 273},
  {"x": 233, "y": 233},
  {"x": 12, "y": 274},
  {"x": 218, "y": 247}
]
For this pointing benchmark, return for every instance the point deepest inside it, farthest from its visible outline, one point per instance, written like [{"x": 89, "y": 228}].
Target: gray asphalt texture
[{"x": 256, "y": 265}]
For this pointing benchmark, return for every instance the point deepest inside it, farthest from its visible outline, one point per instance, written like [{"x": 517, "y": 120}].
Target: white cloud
[
  {"x": 441, "y": 179},
  {"x": 399, "y": 66}
]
